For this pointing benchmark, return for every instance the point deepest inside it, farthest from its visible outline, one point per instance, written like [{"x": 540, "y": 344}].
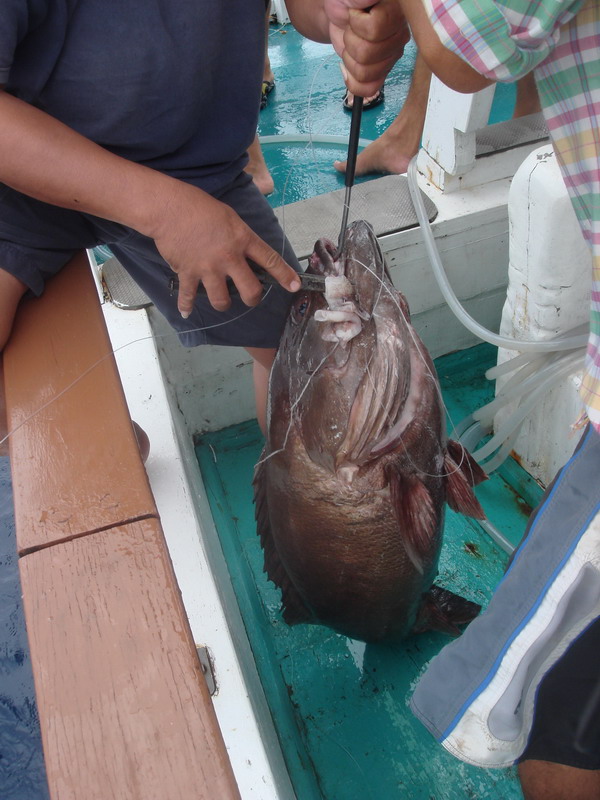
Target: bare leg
[
  {"x": 544, "y": 780},
  {"x": 527, "y": 101},
  {"x": 257, "y": 167},
  {"x": 262, "y": 362},
  {"x": 11, "y": 292},
  {"x": 267, "y": 71},
  {"x": 3, "y": 424},
  {"x": 392, "y": 151}
]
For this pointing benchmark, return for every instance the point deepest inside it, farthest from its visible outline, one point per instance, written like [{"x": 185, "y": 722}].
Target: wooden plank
[
  {"x": 123, "y": 705},
  {"x": 76, "y": 466}
]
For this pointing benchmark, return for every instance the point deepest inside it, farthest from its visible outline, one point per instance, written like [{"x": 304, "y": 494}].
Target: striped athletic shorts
[{"x": 522, "y": 680}]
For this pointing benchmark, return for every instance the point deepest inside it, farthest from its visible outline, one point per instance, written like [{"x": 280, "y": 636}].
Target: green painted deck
[{"x": 341, "y": 707}]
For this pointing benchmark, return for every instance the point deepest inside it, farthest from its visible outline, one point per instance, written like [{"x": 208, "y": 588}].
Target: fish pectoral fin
[
  {"x": 462, "y": 472},
  {"x": 468, "y": 466},
  {"x": 416, "y": 515},
  {"x": 293, "y": 608},
  {"x": 444, "y": 611}
]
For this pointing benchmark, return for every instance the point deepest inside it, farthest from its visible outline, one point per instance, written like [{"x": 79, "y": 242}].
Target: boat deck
[{"x": 340, "y": 706}]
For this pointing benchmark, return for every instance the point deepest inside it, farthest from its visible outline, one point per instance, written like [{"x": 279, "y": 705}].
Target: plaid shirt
[{"x": 560, "y": 39}]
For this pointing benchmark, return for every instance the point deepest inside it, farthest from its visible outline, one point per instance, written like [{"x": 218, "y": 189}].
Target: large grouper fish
[{"x": 351, "y": 487}]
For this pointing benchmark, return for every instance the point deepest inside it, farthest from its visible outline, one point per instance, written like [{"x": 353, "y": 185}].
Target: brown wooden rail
[{"x": 123, "y": 705}]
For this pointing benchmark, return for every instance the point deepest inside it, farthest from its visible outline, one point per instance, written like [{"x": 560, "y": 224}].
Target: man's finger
[
  {"x": 186, "y": 295},
  {"x": 365, "y": 81},
  {"x": 217, "y": 292},
  {"x": 266, "y": 258},
  {"x": 390, "y": 48},
  {"x": 249, "y": 287}
]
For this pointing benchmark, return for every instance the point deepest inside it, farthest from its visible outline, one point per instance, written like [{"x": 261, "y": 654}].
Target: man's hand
[
  {"x": 369, "y": 37},
  {"x": 204, "y": 240}
]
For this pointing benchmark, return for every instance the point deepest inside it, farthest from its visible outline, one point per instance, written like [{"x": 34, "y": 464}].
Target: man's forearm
[
  {"x": 447, "y": 66},
  {"x": 309, "y": 19},
  {"x": 41, "y": 157}
]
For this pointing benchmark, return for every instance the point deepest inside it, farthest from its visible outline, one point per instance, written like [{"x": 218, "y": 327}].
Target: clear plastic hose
[
  {"x": 551, "y": 345},
  {"x": 539, "y": 365},
  {"x": 517, "y": 361},
  {"x": 518, "y": 415},
  {"x": 526, "y": 380},
  {"x": 292, "y": 138}
]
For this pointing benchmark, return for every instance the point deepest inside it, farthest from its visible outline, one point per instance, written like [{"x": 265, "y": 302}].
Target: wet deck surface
[
  {"x": 340, "y": 707},
  {"x": 307, "y": 100}
]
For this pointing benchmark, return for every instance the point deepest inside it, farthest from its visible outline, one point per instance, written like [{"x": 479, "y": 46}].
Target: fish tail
[{"x": 445, "y": 611}]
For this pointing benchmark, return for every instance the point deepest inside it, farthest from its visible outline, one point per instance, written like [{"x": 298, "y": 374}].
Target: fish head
[{"x": 343, "y": 366}]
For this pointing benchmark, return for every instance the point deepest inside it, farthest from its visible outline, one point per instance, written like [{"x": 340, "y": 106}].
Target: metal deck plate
[
  {"x": 122, "y": 290},
  {"x": 383, "y": 202},
  {"x": 512, "y": 133}
]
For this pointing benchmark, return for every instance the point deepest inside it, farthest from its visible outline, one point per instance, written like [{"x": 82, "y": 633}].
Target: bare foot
[
  {"x": 390, "y": 153},
  {"x": 257, "y": 167},
  {"x": 384, "y": 156}
]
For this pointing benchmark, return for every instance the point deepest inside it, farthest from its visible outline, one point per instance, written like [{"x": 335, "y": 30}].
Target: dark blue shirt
[{"x": 172, "y": 84}]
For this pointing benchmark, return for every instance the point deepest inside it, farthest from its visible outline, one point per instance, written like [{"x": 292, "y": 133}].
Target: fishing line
[
  {"x": 344, "y": 749},
  {"x": 295, "y": 404},
  {"x": 433, "y": 377}
]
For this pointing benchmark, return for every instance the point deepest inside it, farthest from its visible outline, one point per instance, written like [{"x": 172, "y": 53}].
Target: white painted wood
[
  {"x": 484, "y": 170},
  {"x": 193, "y": 544},
  {"x": 548, "y": 295},
  {"x": 451, "y": 123},
  {"x": 280, "y": 11}
]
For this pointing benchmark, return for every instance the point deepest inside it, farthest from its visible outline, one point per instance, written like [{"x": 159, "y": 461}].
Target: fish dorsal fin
[
  {"x": 462, "y": 472},
  {"x": 379, "y": 399},
  {"x": 293, "y": 607},
  {"x": 416, "y": 514}
]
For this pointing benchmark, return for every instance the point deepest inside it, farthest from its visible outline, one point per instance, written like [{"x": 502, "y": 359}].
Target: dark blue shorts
[
  {"x": 566, "y": 722},
  {"x": 37, "y": 240}
]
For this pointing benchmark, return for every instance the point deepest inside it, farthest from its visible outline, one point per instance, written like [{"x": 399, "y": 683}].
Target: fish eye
[{"x": 300, "y": 308}]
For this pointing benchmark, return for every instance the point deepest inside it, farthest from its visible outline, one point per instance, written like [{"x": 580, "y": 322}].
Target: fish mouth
[
  {"x": 323, "y": 260},
  {"x": 342, "y": 319}
]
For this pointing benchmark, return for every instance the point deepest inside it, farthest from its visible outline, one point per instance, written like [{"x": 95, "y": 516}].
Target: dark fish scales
[{"x": 351, "y": 488}]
